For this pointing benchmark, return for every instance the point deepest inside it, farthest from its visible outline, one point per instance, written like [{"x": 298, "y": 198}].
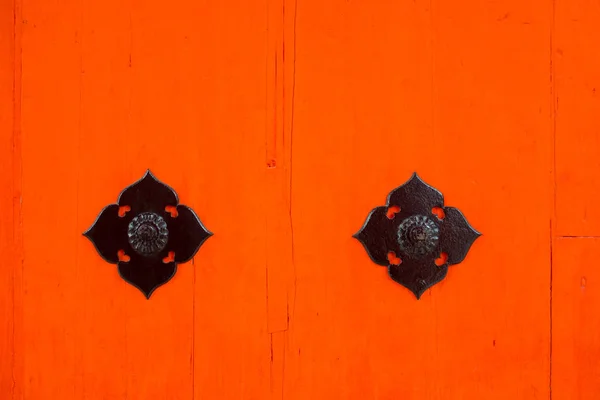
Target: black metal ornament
[
  {"x": 415, "y": 236},
  {"x": 147, "y": 233}
]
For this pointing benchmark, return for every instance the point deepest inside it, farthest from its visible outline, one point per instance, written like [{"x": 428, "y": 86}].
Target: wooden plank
[
  {"x": 52, "y": 278},
  {"x": 577, "y": 83},
  {"x": 576, "y": 298},
  {"x": 132, "y": 115},
  {"x": 576, "y": 60},
  {"x": 278, "y": 142},
  {"x": 8, "y": 249},
  {"x": 278, "y": 194},
  {"x": 231, "y": 357},
  {"x": 116, "y": 323},
  {"x": 129, "y": 86},
  {"x": 459, "y": 92}
]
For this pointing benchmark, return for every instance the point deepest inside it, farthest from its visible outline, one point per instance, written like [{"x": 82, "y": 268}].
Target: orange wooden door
[{"x": 283, "y": 123}]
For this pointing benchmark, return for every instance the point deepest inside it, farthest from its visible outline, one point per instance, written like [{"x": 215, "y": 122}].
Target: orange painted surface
[
  {"x": 282, "y": 123},
  {"x": 8, "y": 255},
  {"x": 577, "y": 64},
  {"x": 576, "y": 300}
]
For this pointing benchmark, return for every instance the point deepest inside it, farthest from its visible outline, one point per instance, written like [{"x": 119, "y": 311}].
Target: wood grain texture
[
  {"x": 282, "y": 123},
  {"x": 125, "y": 87},
  {"x": 231, "y": 357},
  {"x": 461, "y": 94},
  {"x": 577, "y": 102},
  {"x": 8, "y": 250},
  {"x": 576, "y": 298}
]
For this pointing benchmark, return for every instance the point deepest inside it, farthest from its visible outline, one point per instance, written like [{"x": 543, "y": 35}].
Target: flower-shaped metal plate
[
  {"x": 415, "y": 236},
  {"x": 147, "y": 233}
]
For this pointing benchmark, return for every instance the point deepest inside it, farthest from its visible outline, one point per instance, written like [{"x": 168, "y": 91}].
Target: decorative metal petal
[
  {"x": 109, "y": 233},
  {"x": 457, "y": 235},
  {"x": 148, "y": 195},
  {"x": 145, "y": 274},
  {"x": 418, "y": 276},
  {"x": 187, "y": 233},
  {"x": 378, "y": 235},
  {"x": 416, "y": 197}
]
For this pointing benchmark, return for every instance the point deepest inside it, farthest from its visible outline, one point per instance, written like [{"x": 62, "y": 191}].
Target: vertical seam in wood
[
  {"x": 193, "y": 355},
  {"x": 275, "y": 82},
  {"x": 271, "y": 364},
  {"x": 553, "y": 220},
  {"x": 551, "y": 326},
  {"x": 17, "y": 179},
  {"x": 284, "y": 335},
  {"x": 291, "y": 164},
  {"x": 80, "y": 353}
]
